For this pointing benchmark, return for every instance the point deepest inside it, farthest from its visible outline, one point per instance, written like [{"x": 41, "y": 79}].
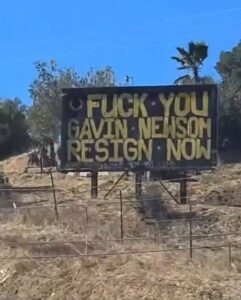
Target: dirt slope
[{"x": 161, "y": 275}]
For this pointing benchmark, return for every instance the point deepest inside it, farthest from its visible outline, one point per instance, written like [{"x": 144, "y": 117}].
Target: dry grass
[
  {"x": 15, "y": 164},
  {"x": 124, "y": 277},
  {"x": 148, "y": 276}
]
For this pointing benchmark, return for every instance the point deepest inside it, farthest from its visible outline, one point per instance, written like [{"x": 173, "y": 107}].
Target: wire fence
[
  {"x": 161, "y": 242},
  {"x": 99, "y": 201},
  {"x": 132, "y": 252}
]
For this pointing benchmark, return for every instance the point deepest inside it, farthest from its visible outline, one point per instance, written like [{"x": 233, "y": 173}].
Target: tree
[
  {"x": 229, "y": 69},
  {"x": 100, "y": 78},
  {"x": 192, "y": 61},
  {"x": 14, "y": 135},
  {"x": 45, "y": 114}
]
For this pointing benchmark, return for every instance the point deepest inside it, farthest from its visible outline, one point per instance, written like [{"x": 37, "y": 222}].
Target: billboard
[{"x": 139, "y": 128}]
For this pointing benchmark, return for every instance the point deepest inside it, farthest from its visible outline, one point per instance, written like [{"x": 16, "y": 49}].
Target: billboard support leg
[
  {"x": 114, "y": 185},
  {"x": 169, "y": 193},
  {"x": 41, "y": 165},
  {"x": 94, "y": 185},
  {"x": 183, "y": 189},
  {"x": 138, "y": 184}
]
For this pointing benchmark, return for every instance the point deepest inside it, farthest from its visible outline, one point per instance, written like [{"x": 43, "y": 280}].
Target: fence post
[
  {"x": 41, "y": 165},
  {"x": 86, "y": 230},
  {"x": 229, "y": 256},
  {"x": 121, "y": 217},
  {"x": 183, "y": 189},
  {"x": 54, "y": 196},
  {"x": 138, "y": 185},
  {"x": 94, "y": 184},
  {"x": 155, "y": 232},
  {"x": 190, "y": 230}
]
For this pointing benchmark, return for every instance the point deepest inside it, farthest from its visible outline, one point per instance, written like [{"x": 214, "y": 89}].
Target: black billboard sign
[{"x": 159, "y": 127}]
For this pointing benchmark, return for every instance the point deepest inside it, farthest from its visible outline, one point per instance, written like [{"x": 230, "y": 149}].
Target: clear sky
[{"x": 135, "y": 37}]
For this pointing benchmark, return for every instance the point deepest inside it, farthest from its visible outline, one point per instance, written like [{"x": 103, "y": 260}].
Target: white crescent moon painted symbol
[{"x": 74, "y": 107}]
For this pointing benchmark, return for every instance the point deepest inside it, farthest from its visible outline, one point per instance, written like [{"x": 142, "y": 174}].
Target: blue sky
[{"x": 135, "y": 37}]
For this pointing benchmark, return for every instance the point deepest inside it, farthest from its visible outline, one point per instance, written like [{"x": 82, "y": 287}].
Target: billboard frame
[{"x": 174, "y": 88}]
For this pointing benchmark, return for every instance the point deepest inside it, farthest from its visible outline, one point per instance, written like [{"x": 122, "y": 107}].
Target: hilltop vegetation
[{"x": 21, "y": 127}]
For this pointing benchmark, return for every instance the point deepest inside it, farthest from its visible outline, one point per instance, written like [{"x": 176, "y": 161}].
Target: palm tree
[{"x": 191, "y": 60}]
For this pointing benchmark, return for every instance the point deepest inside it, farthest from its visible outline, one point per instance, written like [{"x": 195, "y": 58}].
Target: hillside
[{"x": 111, "y": 268}]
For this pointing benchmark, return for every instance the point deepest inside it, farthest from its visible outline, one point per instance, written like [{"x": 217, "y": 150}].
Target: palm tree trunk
[{"x": 196, "y": 75}]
